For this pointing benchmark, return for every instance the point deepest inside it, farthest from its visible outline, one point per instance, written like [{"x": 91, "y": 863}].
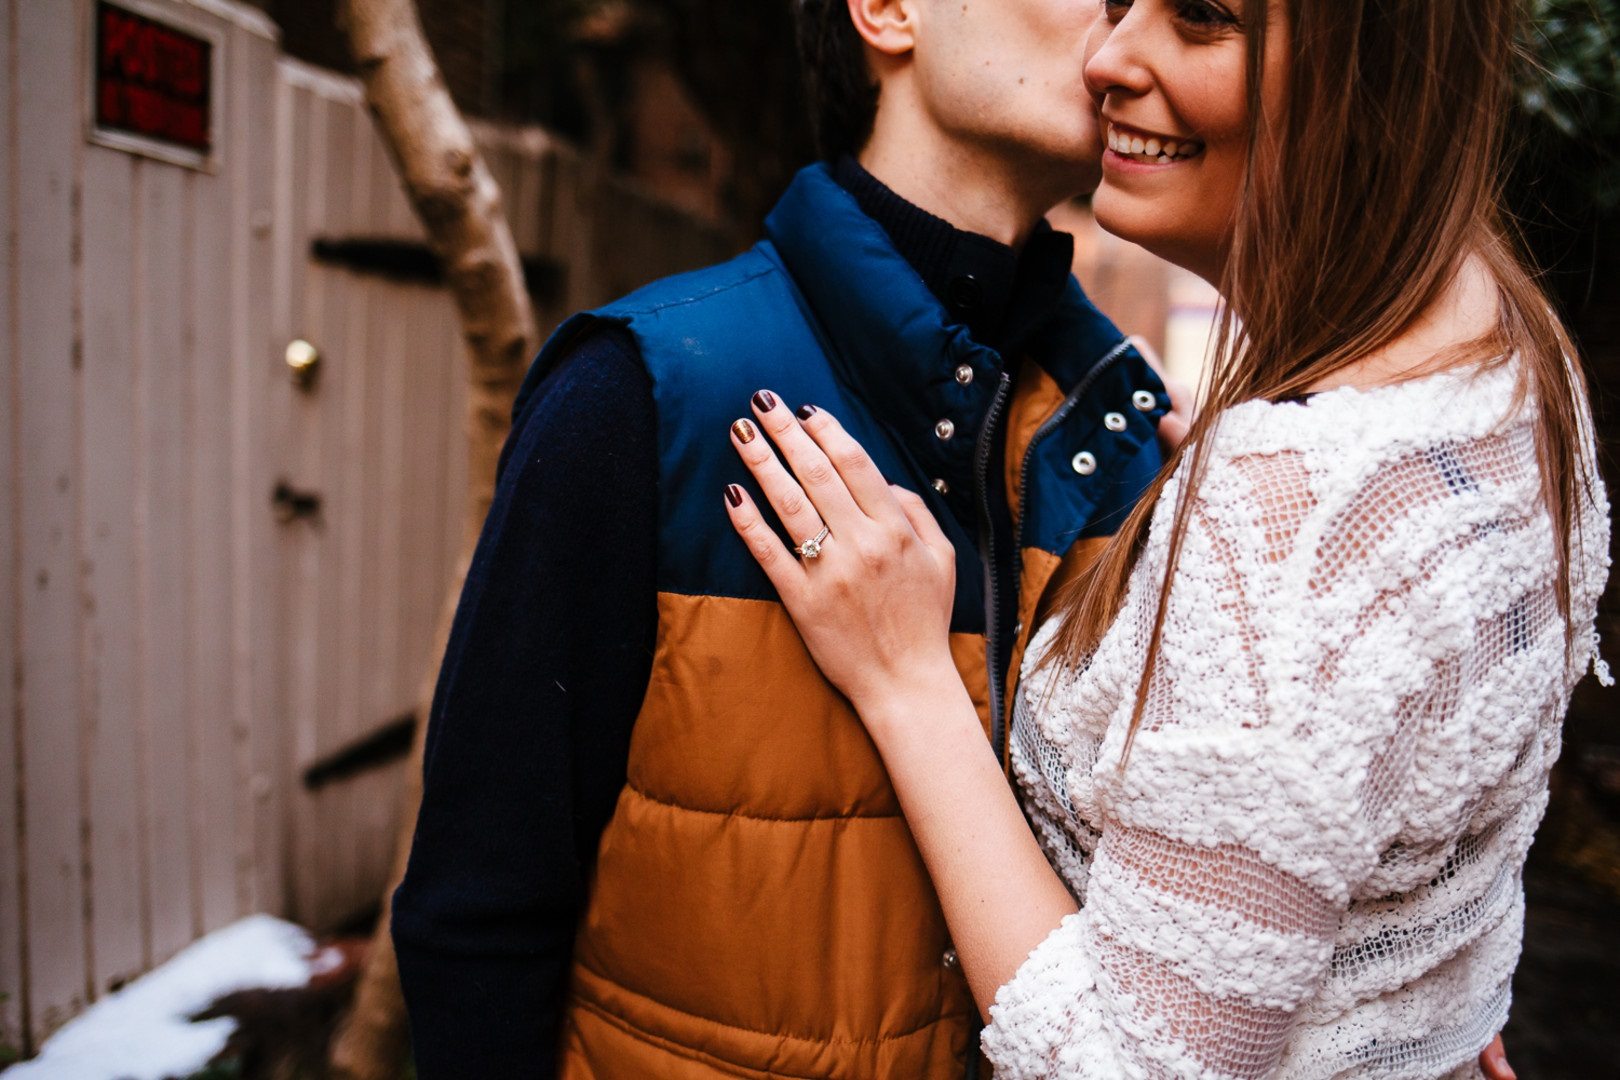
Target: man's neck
[{"x": 988, "y": 197}]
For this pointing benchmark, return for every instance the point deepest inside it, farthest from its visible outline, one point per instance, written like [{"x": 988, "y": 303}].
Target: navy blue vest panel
[
  {"x": 708, "y": 346},
  {"x": 825, "y": 311},
  {"x": 1062, "y": 506}
]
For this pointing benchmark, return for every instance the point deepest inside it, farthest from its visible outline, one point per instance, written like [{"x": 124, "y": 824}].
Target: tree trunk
[{"x": 459, "y": 205}]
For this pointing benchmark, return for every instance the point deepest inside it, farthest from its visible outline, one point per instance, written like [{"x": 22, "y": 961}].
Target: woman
[{"x": 1284, "y": 746}]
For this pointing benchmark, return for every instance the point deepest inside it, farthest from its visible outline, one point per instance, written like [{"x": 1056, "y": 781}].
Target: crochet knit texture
[{"x": 1311, "y": 864}]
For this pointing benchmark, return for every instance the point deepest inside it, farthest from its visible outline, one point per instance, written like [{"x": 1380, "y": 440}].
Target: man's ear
[{"x": 888, "y": 26}]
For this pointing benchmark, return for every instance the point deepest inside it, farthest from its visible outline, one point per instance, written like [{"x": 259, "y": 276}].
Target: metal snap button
[
  {"x": 949, "y": 959},
  {"x": 1085, "y": 463},
  {"x": 942, "y": 487},
  {"x": 1114, "y": 421},
  {"x": 944, "y": 430},
  {"x": 1144, "y": 401},
  {"x": 964, "y": 374}
]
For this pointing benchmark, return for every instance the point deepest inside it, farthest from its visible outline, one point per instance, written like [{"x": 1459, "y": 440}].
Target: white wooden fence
[{"x": 192, "y": 687}]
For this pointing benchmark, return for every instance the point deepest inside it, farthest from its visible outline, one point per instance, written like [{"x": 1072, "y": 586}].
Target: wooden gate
[{"x": 221, "y": 573}]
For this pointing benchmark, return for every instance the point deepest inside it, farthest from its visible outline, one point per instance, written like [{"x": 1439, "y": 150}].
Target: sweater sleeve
[
  {"x": 546, "y": 666},
  {"x": 1311, "y": 651}
]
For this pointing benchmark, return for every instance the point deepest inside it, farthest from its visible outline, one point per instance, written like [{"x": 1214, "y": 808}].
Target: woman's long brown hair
[{"x": 1360, "y": 206}]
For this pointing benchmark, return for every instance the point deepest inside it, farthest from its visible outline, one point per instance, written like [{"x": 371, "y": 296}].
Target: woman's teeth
[{"x": 1162, "y": 151}]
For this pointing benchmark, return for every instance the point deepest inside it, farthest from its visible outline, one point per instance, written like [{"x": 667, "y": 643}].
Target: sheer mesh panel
[
  {"x": 1228, "y": 1036},
  {"x": 1433, "y": 1053},
  {"x": 1419, "y": 479},
  {"x": 1041, "y": 769},
  {"x": 1435, "y": 939},
  {"x": 1230, "y": 879}
]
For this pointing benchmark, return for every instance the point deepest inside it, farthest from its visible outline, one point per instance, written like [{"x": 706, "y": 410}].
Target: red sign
[{"x": 152, "y": 80}]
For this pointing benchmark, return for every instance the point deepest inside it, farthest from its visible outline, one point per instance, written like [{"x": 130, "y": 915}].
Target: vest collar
[{"x": 917, "y": 369}]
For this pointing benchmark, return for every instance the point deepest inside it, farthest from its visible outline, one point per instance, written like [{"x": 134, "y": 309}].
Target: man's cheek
[{"x": 1091, "y": 162}]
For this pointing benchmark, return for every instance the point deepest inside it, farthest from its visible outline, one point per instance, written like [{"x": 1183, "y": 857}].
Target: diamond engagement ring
[{"x": 811, "y": 548}]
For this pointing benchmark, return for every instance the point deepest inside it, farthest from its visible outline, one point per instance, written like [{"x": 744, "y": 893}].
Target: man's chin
[
  {"x": 1081, "y": 167},
  {"x": 1092, "y": 173},
  {"x": 1079, "y": 178}
]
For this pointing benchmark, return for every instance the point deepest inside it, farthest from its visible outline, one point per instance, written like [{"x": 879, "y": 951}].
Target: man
[{"x": 633, "y": 860}]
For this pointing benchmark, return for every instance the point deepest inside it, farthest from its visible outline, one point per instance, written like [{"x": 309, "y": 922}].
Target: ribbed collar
[{"x": 1001, "y": 294}]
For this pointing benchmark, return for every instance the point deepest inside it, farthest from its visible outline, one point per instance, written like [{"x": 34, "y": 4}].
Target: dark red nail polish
[
  {"x": 734, "y": 495},
  {"x": 764, "y": 401},
  {"x": 807, "y": 411}
]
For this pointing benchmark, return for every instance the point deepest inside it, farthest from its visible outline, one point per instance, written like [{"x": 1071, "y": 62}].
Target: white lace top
[{"x": 1310, "y": 866}]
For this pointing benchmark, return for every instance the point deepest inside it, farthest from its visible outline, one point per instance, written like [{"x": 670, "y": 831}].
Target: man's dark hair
[{"x": 842, "y": 93}]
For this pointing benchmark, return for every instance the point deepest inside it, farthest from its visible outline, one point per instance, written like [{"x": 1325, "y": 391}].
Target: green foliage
[
  {"x": 9, "y": 1055},
  {"x": 223, "y": 1069},
  {"x": 1569, "y": 91}
]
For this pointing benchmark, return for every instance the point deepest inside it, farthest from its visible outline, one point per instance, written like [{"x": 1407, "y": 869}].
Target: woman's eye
[{"x": 1204, "y": 15}]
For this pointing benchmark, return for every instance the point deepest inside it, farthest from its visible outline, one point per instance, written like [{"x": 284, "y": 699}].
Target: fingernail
[
  {"x": 734, "y": 495},
  {"x": 807, "y": 411},
  {"x": 764, "y": 401},
  {"x": 744, "y": 430}
]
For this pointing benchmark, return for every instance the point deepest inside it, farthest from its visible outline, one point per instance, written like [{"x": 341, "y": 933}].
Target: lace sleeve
[{"x": 1315, "y": 625}]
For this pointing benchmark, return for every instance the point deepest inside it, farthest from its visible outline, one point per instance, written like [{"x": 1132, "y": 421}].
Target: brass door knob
[{"x": 304, "y": 361}]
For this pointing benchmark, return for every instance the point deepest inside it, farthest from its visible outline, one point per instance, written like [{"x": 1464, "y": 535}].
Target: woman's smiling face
[{"x": 1170, "y": 80}]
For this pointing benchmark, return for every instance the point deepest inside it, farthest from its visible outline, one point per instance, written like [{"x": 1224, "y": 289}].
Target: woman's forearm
[{"x": 1000, "y": 896}]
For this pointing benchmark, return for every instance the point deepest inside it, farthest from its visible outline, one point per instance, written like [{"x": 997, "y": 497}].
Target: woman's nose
[{"x": 1116, "y": 61}]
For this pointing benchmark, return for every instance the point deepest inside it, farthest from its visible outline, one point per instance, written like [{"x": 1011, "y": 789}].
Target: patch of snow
[{"x": 141, "y": 1032}]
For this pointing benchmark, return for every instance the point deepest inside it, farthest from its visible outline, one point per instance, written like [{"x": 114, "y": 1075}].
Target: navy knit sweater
[{"x": 549, "y": 657}]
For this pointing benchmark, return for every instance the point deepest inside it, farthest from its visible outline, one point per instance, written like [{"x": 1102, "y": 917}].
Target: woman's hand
[
  {"x": 874, "y": 606},
  {"x": 1173, "y": 425},
  {"x": 1493, "y": 1062}
]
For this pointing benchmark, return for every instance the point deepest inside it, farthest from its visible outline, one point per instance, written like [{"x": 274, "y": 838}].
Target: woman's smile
[{"x": 1134, "y": 148}]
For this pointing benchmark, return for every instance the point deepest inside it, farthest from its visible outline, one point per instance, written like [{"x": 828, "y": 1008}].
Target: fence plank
[
  {"x": 335, "y": 696},
  {"x": 412, "y": 359},
  {"x": 118, "y": 893},
  {"x": 47, "y": 606},
  {"x": 163, "y": 499},
  {"x": 262, "y": 299},
  {"x": 257, "y": 401},
  {"x": 356, "y": 429},
  {"x": 213, "y": 471},
  {"x": 299, "y": 462},
  {"x": 13, "y": 932}
]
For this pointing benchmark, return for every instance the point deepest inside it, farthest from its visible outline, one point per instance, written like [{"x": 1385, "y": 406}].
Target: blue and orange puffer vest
[{"x": 759, "y": 908}]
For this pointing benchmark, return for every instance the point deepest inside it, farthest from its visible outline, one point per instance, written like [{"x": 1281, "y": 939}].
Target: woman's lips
[{"x": 1150, "y": 148}]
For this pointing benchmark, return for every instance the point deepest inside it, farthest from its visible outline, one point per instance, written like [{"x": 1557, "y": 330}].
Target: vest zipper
[
  {"x": 987, "y": 534},
  {"x": 987, "y": 555},
  {"x": 992, "y": 607}
]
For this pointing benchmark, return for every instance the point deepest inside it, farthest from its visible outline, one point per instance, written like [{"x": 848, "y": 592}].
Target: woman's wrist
[{"x": 923, "y": 696}]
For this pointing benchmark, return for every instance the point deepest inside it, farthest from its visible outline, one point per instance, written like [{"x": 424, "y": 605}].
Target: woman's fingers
[
  {"x": 793, "y": 508},
  {"x": 815, "y": 475},
  {"x": 860, "y": 475},
  {"x": 1494, "y": 1063},
  {"x": 780, "y": 564},
  {"x": 924, "y": 525},
  {"x": 1173, "y": 425}
]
